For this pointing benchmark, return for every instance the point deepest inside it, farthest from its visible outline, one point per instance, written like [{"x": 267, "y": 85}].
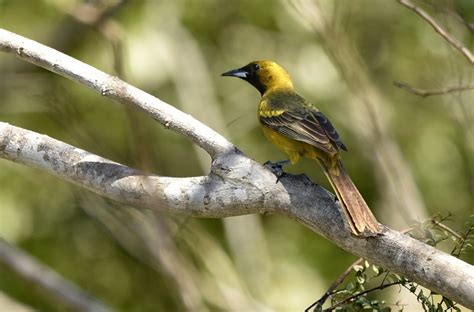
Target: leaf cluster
[{"x": 358, "y": 293}]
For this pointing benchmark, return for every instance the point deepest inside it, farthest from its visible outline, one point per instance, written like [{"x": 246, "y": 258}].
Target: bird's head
[{"x": 263, "y": 75}]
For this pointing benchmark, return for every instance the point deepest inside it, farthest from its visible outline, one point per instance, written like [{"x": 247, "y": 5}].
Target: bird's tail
[{"x": 361, "y": 219}]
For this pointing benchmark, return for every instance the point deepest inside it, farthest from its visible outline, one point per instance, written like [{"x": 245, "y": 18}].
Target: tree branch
[
  {"x": 47, "y": 280},
  {"x": 195, "y": 196},
  {"x": 426, "y": 93},
  {"x": 116, "y": 89},
  {"x": 236, "y": 185},
  {"x": 443, "y": 33}
]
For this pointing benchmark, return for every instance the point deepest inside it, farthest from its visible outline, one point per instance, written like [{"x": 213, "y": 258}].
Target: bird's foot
[{"x": 277, "y": 168}]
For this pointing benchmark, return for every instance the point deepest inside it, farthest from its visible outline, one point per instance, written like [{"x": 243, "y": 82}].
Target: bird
[{"x": 299, "y": 129}]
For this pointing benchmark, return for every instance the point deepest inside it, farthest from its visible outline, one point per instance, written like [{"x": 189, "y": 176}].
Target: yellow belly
[{"x": 294, "y": 149}]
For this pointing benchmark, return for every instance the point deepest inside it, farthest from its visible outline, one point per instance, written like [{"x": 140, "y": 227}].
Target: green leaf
[
  {"x": 376, "y": 270},
  {"x": 350, "y": 286},
  {"x": 449, "y": 303},
  {"x": 420, "y": 296},
  {"x": 358, "y": 268}
]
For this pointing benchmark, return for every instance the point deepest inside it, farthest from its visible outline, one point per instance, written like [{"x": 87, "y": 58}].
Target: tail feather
[{"x": 361, "y": 219}]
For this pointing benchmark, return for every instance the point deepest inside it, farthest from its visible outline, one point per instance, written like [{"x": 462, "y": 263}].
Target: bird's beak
[{"x": 239, "y": 72}]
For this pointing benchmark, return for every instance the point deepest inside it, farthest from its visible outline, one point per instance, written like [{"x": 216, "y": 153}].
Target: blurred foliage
[{"x": 176, "y": 50}]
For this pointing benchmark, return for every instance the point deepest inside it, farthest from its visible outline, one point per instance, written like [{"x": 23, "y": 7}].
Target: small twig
[
  {"x": 334, "y": 285},
  {"x": 446, "y": 228},
  {"x": 443, "y": 33},
  {"x": 342, "y": 277},
  {"x": 458, "y": 17},
  {"x": 363, "y": 293},
  {"x": 462, "y": 240},
  {"x": 426, "y": 93}
]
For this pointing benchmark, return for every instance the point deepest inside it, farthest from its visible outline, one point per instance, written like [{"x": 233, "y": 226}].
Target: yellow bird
[{"x": 300, "y": 129}]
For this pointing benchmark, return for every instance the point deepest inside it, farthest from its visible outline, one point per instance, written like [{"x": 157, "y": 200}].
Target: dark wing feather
[
  {"x": 330, "y": 131},
  {"x": 307, "y": 126}
]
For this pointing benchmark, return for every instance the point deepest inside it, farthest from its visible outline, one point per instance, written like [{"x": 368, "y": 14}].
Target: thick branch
[
  {"x": 236, "y": 186},
  {"x": 47, "y": 280},
  {"x": 204, "y": 196},
  {"x": 443, "y": 33}
]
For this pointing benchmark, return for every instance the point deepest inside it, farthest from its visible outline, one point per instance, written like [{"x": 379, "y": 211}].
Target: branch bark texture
[{"x": 236, "y": 184}]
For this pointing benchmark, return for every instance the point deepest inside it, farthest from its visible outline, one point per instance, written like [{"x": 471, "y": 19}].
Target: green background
[{"x": 176, "y": 50}]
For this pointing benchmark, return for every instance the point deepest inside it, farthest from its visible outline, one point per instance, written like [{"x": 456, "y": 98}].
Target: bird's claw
[{"x": 276, "y": 168}]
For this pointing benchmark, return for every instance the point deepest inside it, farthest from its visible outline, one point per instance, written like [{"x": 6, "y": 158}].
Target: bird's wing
[
  {"x": 330, "y": 130},
  {"x": 305, "y": 125}
]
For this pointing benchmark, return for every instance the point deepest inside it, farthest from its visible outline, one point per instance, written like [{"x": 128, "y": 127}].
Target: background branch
[
  {"x": 443, "y": 33},
  {"x": 426, "y": 93},
  {"x": 48, "y": 281}
]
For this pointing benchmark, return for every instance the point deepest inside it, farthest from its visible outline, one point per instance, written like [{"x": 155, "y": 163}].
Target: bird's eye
[{"x": 255, "y": 67}]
